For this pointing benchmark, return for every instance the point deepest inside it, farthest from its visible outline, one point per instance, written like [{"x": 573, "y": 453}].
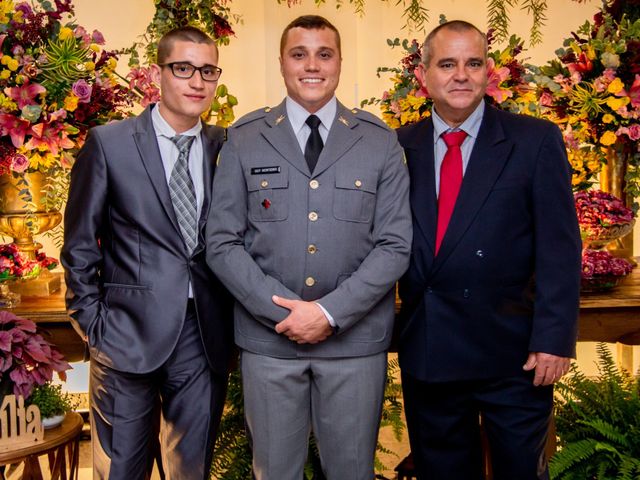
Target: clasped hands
[{"x": 306, "y": 322}]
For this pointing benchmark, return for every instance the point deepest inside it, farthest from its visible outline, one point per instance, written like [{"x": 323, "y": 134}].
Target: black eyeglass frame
[{"x": 172, "y": 65}]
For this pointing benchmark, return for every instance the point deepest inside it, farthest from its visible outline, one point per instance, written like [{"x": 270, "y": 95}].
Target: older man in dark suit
[
  {"x": 156, "y": 320},
  {"x": 490, "y": 299}
]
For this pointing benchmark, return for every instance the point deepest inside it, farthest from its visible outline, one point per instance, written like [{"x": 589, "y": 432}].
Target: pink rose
[
  {"x": 82, "y": 90},
  {"x": 19, "y": 163},
  {"x": 634, "y": 132}
]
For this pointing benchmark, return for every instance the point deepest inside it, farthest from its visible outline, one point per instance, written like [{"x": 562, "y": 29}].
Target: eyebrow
[{"x": 455, "y": 60}]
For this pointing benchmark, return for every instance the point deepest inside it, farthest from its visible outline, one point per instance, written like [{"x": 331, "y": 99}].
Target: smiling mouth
[{"x": 311, "y": 80}]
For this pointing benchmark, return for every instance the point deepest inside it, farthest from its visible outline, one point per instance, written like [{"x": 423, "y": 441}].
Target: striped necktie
[{"x": 183, "y": 193}]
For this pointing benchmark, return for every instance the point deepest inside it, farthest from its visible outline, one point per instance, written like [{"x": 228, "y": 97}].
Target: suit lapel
[
  {"x": 422, "y": 175},
  {"x": 488, "y": 158},
  {"x": 210, "y": 149},
  {"x": 342, "y": 136},
  {"x": 144, "y": 137},
  {"x": 281, "y": 137}
]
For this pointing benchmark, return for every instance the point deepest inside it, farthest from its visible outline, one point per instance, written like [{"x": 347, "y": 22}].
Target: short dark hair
[
  {"x": 185, "y": 34},
  {"x": 456, "y": 26},
  {"x": 309, "y": 22}
]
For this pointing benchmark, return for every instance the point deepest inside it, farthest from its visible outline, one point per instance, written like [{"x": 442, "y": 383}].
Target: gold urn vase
[{"x": 22, "y": 210}]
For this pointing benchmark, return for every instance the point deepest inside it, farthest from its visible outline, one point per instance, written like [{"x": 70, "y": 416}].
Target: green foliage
[
  {"x": 232, "y": 453},
  {"x": 498, "y": 17},
  {"x": 598, "y": 424},
  {"x": 51, "y": 400}
]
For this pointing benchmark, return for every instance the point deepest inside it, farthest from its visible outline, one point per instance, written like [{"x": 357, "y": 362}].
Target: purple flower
[
  {"x": 19, "y": 163},
  {"x": 82, "y": 90},
  {"x": 97, "y": 37}
]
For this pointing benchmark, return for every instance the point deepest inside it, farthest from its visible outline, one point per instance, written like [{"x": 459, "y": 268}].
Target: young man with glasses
[{"x": 155, "y": 319}]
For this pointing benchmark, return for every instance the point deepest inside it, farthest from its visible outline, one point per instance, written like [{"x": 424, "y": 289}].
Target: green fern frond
[{"x": 570, "y": 455}]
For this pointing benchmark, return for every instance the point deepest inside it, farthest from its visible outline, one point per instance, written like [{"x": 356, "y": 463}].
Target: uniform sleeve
[
  {"x": 226, "y": 254},
  {"x": 388, "y": 260}
]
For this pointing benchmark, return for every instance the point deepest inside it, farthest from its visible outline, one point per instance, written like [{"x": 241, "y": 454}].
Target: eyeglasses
[{"x": 209, "y": 73}]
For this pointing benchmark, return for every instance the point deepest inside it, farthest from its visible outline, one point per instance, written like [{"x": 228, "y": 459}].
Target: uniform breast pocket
[
  {"x": 268, "y": 197},
  {"x": 354, "y": 199}
]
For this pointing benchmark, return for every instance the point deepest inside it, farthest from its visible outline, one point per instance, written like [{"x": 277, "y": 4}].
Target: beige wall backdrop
[{"x": 250, "y": 62}]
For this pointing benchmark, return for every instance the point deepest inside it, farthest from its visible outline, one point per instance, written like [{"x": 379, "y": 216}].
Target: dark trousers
[
  {"x": 444, "y": 431},
  {"x": 191, "y": 399}
]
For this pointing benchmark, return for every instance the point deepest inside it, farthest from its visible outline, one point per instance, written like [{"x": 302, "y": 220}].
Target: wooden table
[
  {"x": 61, "y": 444},
  {"x": 612, "y": 316}
]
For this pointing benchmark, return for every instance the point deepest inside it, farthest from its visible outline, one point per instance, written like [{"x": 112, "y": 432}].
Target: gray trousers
[
  {"x": 340, "y": 398},
  {"x": 123, "y": 406}
]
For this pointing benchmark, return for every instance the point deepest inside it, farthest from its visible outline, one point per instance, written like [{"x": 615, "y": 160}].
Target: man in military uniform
[{"x": 309, "y": 229}]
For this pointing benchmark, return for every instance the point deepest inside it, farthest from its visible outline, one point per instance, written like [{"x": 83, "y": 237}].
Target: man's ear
[
  {"x": 155, "y": 72},
  {"x": 420, "y": 74}
]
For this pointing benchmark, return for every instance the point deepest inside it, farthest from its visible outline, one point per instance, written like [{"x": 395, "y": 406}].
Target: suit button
[
  {"x": 314, "y": 184},
  {"x": 264, "y": 184},
  {"x": 313, "y": 216},
  {"x": 312, "y": 249},
  {"x": 480, "y": 253},
  {"x": 358, "y": 183},
  {"x": 310, "y": 281},
  {"x": 466, "y": 293}
]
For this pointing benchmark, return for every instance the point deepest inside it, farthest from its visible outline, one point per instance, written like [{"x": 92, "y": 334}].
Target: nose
[
  {"x": 311, "y": 64},
  {"x": 196, "y": 80},
  {"x": 460, "y": 73}
]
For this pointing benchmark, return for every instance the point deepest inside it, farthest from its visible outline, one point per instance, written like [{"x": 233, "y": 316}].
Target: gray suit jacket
[
  {"x": 341, "y": 236},
  {"x": 126, "y": 267}
]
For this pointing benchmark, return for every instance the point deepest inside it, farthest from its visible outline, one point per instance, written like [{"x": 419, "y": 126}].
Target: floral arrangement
[
  {"x": 592, "y": 90},
  {"x": 26, "y": 359},
  {"x": 600, "y": 263},
  {"x": 408, "y": 101},
  {"x": 598, "y": 209},
  {"x": 56, "y": 81},
  {"x": 14, "y": 265}
]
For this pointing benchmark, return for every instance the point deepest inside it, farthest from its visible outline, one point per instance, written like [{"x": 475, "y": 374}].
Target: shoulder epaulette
[
  {"x": 252, "y": 116},
  {"x": 368, "y": 117}
]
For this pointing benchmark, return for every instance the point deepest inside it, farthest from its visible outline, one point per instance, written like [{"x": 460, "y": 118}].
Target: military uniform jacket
[{"x": 341, "y": 236}]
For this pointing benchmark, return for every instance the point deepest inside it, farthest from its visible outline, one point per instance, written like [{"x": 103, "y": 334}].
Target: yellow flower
[
  {"x": 6, "y": 103},
  {"x": 608, "y": 138},
  {"x": 13, "y": 64},
  {"x": 65, "y": 32},
  {"x": 616, "y": 86},
  {"x": 505, "y": 57},
  {"x": 95, "y": 47},
  {"x": 608, "y": 118},
  {"x": 4, "y": 74},
  {"x": 71, "y": 102},
  {"x": 616, "y": 103},
  {"x": 110, "y": 65},
  {"x": 6, "y": 7},
  {"x": 90, "y": 66},
  {"x": 35, "y": 160},
  {"x": 591, "y": 53},
  {"x": 390, "y": 119}
]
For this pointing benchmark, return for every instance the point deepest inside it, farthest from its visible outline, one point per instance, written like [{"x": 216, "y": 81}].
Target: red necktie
[{"x": 450, "y": 180}]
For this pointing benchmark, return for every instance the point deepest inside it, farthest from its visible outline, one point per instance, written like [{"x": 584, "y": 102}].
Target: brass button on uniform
[
  {"x": 264, "y": 184},
  {"x": 358, "y": 183},
  {"x": 314, "y": 184},
  {"x": 312, "y": 249},
  {"x": 313, "y": 216},
  {"x": 310, "y": 281}
]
